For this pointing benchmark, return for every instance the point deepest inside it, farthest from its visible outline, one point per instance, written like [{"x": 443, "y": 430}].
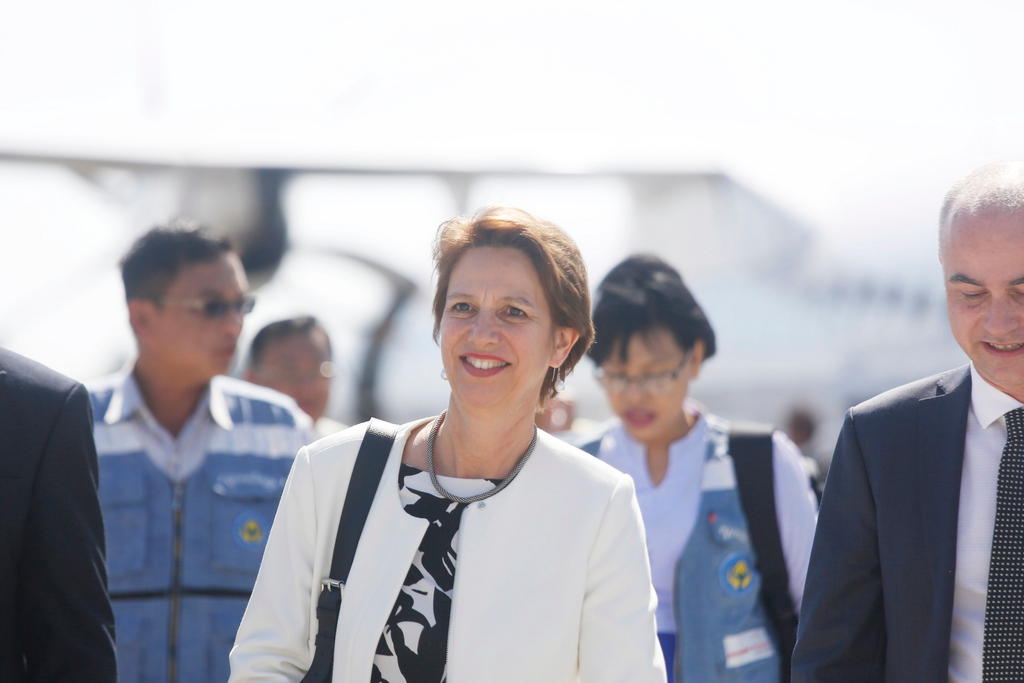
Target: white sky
[{"x": 831, "y": 108}]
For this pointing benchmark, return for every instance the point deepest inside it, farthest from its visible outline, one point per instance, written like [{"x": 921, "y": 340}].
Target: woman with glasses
[
  {"x": 715, "y": 622},
  {"x": 493, "y": 552}
]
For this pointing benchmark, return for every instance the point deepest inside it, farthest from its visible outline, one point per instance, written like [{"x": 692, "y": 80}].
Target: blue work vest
[
  {"x": 182, "y": 557},
  {"x": 723, "y": 631}
]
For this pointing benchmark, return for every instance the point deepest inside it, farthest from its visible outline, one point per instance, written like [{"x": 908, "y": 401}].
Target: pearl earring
[
  {"x": 560, "y": 386},
  {"x": 444, "y": 374}
]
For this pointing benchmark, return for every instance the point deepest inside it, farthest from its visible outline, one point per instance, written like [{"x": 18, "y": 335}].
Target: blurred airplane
[
  {"x": 331, "y": 139},
  {"x": 351, "y": 244}
]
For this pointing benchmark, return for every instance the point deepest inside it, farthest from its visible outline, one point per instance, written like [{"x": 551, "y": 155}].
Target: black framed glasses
[
  {"x": 213, "y": 308},
  {"x": 654, "y": 383}
]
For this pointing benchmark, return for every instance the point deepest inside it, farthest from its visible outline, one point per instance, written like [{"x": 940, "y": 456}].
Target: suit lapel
[{"x": 942, "y": 428}]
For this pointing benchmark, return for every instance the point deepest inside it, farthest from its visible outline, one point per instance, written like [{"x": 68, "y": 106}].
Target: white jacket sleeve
[
  {"x": 274, "y": 642},
  {"x": 618, "y": 636}
]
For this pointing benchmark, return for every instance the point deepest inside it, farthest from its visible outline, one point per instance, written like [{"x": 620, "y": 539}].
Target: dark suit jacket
[
  {"x": 55, "y": 618},
  {"x": 878, "y": 599}
]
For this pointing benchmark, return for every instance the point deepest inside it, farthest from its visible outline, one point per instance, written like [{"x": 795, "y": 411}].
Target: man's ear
[{"x": 141, "y": 316}]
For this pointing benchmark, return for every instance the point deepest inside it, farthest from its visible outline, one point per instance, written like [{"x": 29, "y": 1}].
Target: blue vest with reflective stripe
[
  {"x": 723, "y": 631},
  {"x": 182, "y": 558}
]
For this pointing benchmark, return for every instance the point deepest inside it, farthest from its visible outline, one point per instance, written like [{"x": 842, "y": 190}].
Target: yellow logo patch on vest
[
  {"x": 737, "y": 573},
  {"x": 252, "y": 532},
  {"x": 249, "y": 530}
]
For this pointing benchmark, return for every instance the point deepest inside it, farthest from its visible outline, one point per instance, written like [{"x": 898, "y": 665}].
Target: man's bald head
[{"x": 993, "y": 188}]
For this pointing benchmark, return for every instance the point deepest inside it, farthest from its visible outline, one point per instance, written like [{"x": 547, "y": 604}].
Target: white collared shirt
[
  {"x": 983, "y": 449},
  {"x": 125, "y": 424}
]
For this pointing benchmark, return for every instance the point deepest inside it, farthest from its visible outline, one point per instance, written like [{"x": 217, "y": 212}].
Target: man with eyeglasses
[{"x": 192, "y": 463}]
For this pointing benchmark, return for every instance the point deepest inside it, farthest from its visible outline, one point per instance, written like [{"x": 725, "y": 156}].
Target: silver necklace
[{"x": 432, "y": 436}]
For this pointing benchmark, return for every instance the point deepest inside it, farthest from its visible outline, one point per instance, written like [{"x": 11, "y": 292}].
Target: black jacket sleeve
[
  {"x": 64, "y": 616},
  {"x": 841, "y": 634}
]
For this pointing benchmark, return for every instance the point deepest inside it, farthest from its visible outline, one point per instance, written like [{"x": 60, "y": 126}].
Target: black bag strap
[
  {"x": 752, "y": 453},
  {"x": 366, "y": 474}
]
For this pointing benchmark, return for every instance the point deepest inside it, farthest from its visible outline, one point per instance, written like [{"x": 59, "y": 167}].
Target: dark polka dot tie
[{"x": 1003, "y": 651}]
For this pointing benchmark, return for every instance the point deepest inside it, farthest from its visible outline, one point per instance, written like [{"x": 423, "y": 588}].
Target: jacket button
[{"x": 481, "y": 505}]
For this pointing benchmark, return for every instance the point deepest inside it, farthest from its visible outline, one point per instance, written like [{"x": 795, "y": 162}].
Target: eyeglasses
[
  {"x": 655, "y": 383},
  {"x": 213, "y": 308}
]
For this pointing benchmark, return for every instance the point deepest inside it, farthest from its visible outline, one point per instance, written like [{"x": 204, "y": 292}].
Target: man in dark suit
[
  {"x": 55, "y": 618},
  {"x": 925, "y": 485}
]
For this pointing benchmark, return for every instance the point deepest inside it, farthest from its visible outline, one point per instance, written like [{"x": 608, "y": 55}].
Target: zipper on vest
[{"x": 172, "y": 644}]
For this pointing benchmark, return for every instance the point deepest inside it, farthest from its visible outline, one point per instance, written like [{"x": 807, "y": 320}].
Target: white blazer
[{"x": 552, "y": 581}]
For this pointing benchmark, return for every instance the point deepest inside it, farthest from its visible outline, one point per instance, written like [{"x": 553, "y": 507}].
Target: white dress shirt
[
  {"x": 983, "y": 449},
  {"x": 177, "y": 457},
  {"x": 670, "y": 509}
]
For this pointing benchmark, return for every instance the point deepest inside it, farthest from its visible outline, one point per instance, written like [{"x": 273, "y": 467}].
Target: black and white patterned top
[{"x": 414, "y": 645}]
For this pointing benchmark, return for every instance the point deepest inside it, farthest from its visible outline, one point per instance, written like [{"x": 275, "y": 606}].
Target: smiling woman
[
  {"x": 555, "y": 265},
  {"x": 498, "y": 343},
  {"x": 552, "y": 580}
]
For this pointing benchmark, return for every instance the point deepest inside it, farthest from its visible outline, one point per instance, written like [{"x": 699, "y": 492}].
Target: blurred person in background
[
  {"x": 801, "y": 426},
  {"x": 191, "y": 463},
  {"x": 56, "y": 622},
  {"x": 493, "y": 551},
  {"x": 729, "y": 511},
  {"x": 558, "y": 417},
  {"x": 917, "y": 572},
  {"x": 294, "y": 356}
]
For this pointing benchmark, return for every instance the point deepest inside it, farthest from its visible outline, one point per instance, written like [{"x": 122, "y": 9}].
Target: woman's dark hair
[{"x": 639, "y": 295}]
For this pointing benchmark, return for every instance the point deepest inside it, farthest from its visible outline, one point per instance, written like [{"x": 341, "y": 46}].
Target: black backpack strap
[
  {"x": 752, "y": 452},
  {"x": 366, "y": 473}
]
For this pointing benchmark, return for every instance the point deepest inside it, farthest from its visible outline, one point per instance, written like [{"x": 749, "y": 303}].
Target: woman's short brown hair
[{"x": 554, "y": 255}]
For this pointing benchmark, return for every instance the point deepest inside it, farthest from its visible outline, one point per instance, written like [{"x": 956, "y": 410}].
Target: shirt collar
[
  {"x": 988, "y": 403},
  {"x": 218, "y": 405},
  {"x": 126, "y": 401}
]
